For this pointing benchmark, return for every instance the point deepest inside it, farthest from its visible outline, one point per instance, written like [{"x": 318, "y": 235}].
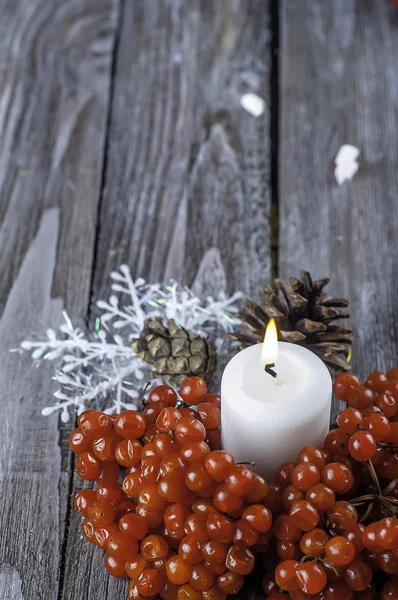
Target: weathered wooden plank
[
  {"x": 186, "y": 188},
  {"x": 339, "y": 85},
  {"x": 54, "y": 89},
  {"x": 188, "y": 169}
]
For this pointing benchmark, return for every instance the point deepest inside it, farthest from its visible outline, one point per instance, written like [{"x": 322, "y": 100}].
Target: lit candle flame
[{"x": 269, "y": 352}]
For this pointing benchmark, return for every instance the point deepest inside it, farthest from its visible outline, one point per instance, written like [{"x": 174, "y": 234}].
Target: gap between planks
[
  {"x": 274, "y": 135},
  {"x": 71, "y": 457}
]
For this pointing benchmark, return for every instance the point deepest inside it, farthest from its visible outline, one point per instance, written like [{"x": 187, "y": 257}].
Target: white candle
[{"x": 268, "y": 421}]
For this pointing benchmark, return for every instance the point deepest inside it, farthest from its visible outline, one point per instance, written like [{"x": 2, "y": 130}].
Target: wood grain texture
[
  {"x": 31, "y": 458},
  {"x": 339, "y": 85},
  {"x": 188, "y": 168},
  {"x": 185, "y": 193},
  {"x": 54, "y": 89},
  {"x": 186, "y": 185},
  {"x": 54, "y": 84}
]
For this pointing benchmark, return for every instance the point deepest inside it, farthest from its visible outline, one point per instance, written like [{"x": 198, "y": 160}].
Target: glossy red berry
[
  {"x": 128, "y": 452},
  {"x": 109, "y": 473},
  {"x": 213, "y": 399},
  {"x": 304, "y": 515},
  {"x": 321, "y": 496},
  {"x": 342, "y": 515},
  {"x": 78, "y": 442},
  {"x": 230, "y": 583},
  {"x": 150, "y": 583},
  {"x": 336, "y": 442},
  {"x": 240, "y": 480},
  {"x": 284, "y": 529},
  {"x": 377, "y": 381},
  {"x": 95, "y": 424},
  {"x": 192, "y": 389},
  {"x": 358, "y": 574},
  {"x": 340, "y": 551},
  {"x": 103, "y": 534},
  {"x": 355, "y": 535},
  {"x": 377, "y": 425},
  {"x": 220, "y": 527},
  {"x": 305, "y": 476},
  {"x": 168, "y": 419},
  {"x": 195, "y": 451},
  {"x": 178, "y": 571},
  {"x": 112, "y": 493},
  {"x": 104, "y": 448},
  {"x": 122, "y": 546},
  {"x": 219, "y": 464},
  {"x": 163, "y": 394},
  {"x": 283, "y": 475},
  {"x": 130, "y": 424},
  {"x": 349, "y": 420},
  {"x": 101, "y": 513},
  {"x": 259, "y": 517},
  {"x": 188, "y": 430},
  {"x": 133, "y": 525},
  {"x": 387, "y": 533},
  {"x": 338, "y": 477},
  {"x": 245, "y": 535},
  {"x": 209, "y": 415},
  {"x": 390, "y": 590},
  {"x": 312, "y": 454},
  {"x": 311, "y": 577},
  {"x": 313, "y": 542},
  {"x": 154, "y": 547},
  {"x": 387, "y": 404},
  {"x": 83, "y": 500},
  {"x": 344, "y": 384},
  {"x": 362, "y": 446},
  {"x": 361, "y": 398},
  {"x": 115, "y": 566},
  {"x": 285, "y": 575},
  {"x": 88, "y": 466},
  {"x": 240, "y": 560}
]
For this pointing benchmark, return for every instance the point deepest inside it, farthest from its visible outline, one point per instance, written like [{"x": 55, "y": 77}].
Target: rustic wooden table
[{"x": 122, "y": 139}]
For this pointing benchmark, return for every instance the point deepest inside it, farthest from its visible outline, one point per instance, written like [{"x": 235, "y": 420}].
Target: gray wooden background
[{"x": 122, "y": 139}]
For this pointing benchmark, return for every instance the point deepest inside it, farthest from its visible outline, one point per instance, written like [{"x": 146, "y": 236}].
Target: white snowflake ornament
[{"x": 100, "y": 366}]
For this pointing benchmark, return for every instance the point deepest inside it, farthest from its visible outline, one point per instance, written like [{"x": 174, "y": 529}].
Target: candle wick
[{"x": 268, "y": 369}]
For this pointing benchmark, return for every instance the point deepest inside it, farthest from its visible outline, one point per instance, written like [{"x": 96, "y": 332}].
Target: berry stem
[
  {"x": 392, "y": 500},
  {"x": 390, "y": 507},
  {"x": 143, "y": 392},
  {"x": 374, "y": 476},
  {"x": 389, "y": 445},
  {"x": 363, "y": 499},
  {"x": 367, "y": 513},
  {"x": 330, "y": 566},
  {"x": 390, "y": 487},
  {"x": 307, "y": 557}
]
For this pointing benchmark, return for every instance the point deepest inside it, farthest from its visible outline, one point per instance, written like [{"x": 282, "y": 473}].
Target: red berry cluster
[
  {"x": 173, "y": 513},
  {"x": 336, "y": 527}
]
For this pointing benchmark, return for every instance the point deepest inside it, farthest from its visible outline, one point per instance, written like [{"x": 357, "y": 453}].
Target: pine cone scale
[
  {"x": 294, "y": 337},
  {"x": 325, "y": 313},
  {"x": 307, "y": 326},
  {"x": 336, "y": 302}
]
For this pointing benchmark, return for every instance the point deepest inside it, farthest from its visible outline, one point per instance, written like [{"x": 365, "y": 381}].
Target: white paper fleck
[
  {"x": 253, "y": 104},
  {"x": 346, "y": 163}
]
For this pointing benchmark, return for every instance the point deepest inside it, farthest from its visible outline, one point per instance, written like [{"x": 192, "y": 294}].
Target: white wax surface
[{"x": 269, "y": 423}]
